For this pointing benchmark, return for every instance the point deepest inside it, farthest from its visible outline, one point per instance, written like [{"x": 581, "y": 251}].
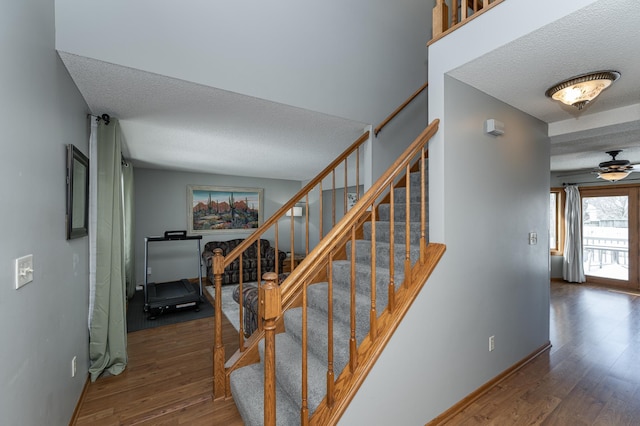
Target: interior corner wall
[
  {"x": 399, "y": 133},
  {"x": 490, "y": 282},
  {"x": 44, "y": 323},
  {"x": 161, "y": 205}
]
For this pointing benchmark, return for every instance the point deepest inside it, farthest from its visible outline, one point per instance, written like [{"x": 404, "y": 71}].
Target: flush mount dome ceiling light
[{"x": 582, "y": 89}]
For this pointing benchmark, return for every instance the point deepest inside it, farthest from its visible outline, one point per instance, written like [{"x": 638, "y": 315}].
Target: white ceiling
[
  {"x": 602, "y": 36},
  {"x": 174, "y": 124}
]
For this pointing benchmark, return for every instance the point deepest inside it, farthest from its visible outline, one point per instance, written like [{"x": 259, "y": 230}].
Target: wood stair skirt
[{"x": 247, "y": 383}]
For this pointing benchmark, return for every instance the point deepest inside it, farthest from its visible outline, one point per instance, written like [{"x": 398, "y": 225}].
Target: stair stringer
[{"x": 348, "y": 382}]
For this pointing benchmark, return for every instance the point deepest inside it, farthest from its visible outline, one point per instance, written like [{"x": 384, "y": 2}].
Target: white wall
[
  {"x": 43, "y": 324},
  {"x": 161, "y": 205}
]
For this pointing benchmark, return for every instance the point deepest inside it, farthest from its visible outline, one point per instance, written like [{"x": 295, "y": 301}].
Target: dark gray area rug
[{"x": 137, "y": 319}]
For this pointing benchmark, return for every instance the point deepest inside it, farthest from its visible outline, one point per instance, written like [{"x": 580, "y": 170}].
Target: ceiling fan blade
[{"x": 578, "y": 172}]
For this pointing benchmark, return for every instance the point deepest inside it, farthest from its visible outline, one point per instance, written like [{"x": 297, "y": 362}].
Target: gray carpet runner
[{"x": 247, "y": 383}]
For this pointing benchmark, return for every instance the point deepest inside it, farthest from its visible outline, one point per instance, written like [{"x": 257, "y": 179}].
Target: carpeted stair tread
[
  {"x": 400, "y": 194},
  {"x": 400, "y": 231},
  {"x": 317, "y": 332},
  {"x": 247, "y": 382},
  {"x": 251, "y": 404},
  {"x": 289, "y": 372},
  {"x": 399, "y": 212},
  {"x": 342, "y": 276},
  {"x": 383, "y": 250},
  {"x": 317, "y": 298}
]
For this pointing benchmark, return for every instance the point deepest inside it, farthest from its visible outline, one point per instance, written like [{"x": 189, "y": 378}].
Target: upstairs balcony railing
[{"x": 448, "y": 15}]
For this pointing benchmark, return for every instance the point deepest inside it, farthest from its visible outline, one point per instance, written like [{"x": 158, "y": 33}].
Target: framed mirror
[{"x": 77, "y": 193}]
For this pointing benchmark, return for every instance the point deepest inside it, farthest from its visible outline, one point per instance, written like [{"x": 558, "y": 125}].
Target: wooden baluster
[
  {"x": 219, "y": 378},
  {"x": 306, "y": 221},
  {"x": 464, "y": 10},
  {"x": 357, "y": 174},
  {"x": 333, "y": 198},
  {"x": 270, "y": 310},
  {"x": 241, "y": 306},
  {"x": 423, "y": 208},
  {"x": 260, "y": 321},
  {"x": 330, "y": 372},
  {"x": 304, "y": 409},
  {"x": 344, "y": 195},
  {"x": 320, "y": 214},
  {"x": 407, "y": 228},
  {"x": 276, "y": 251},
  {"x": 454, "y": 12},
  {"x": 440, "y": 18},
  {"x": 392, "y": 249},
  {"x": 373, "y": 316},
  {"x": 352, "y": 341},
  {"x": 292, "y": 242}
]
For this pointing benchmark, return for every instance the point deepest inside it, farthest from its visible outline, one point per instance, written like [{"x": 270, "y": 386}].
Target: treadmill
[{"x": 174, "y": 295}]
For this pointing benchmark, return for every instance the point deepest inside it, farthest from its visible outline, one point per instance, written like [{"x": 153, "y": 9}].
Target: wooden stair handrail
[
  {"x": 221, "y": 385},
  {"x": 304, "y": 271},
  {"x": 281, "y": 212},
  {"x": 294, "y": 288},
  {"x": 400, "y": 108}
]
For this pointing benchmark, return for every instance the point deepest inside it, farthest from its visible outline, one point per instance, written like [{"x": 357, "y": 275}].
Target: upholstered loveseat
[
  {"x": 231, "y": 273},
  {"x": 250, "y": 296}
]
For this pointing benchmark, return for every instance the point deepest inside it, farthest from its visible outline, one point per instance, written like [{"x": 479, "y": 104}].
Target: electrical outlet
[
  {"x": 492, "y": 343},
  {"x": 74, "y": 366},
  {"x": 533, "y": 238},
  {"x": 148, "y": 270}
]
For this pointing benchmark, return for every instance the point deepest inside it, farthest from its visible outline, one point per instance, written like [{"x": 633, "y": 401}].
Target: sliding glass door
[{"x": 609, "y": 234}]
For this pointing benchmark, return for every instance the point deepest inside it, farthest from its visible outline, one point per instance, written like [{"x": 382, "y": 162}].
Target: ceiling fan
[{"x": 615, "y": 170}]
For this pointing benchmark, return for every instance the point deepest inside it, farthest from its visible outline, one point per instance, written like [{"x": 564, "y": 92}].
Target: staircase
[
  {"x": 321, "y": 330},
  {"x": 247, "y": 383}
]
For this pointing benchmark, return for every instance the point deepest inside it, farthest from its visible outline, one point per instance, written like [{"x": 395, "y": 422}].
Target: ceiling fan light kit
[
  {"x": 614, "y": 170},
  {"x": 582, "y": 89},
  {"x": 613, "y": 176}
]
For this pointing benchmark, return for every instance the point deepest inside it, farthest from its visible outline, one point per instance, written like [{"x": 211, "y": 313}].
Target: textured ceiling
[
  {"x": 174, "y": 124},
  {"x": 604, "y": 35}
]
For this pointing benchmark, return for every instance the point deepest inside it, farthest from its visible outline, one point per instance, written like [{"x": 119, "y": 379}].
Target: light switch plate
[{"x": 24, "y": 270}]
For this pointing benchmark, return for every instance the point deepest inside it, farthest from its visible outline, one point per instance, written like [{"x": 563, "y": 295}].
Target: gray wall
[
  {"x": 44, "y": 324},
  {"x": 490, "y": 280},
  {"x": 356, "y": 60},
  {"x": 161, "y": 205}
]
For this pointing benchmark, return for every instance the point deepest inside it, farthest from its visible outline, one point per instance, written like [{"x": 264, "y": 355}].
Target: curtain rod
[{"x": 104, "y": 117}]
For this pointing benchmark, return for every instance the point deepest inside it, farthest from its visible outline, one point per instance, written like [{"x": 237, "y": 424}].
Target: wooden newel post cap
[
  {"x": 270, "y": 302},
  {"x": 218, "y": 262}
]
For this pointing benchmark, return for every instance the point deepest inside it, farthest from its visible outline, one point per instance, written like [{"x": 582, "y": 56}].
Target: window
[{"x": 556, "y": 221}]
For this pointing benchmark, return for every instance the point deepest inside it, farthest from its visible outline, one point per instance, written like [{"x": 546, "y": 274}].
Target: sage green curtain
[
  {"x": 129, "y": 234},
  {"x": 108, "y": 330}
]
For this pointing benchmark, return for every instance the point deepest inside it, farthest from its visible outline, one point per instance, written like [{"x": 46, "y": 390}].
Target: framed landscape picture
[{"x": 219, "y": 209}]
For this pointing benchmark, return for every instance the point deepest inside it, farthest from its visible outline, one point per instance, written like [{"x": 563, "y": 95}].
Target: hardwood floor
[
  {"x": 168, "y": 380},
  {"x": 590, "y": 376}
]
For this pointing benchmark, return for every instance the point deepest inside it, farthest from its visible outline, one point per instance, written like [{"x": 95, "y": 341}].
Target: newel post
[
  {"x": 270, "y": 310},
  {"x": 219, "y": 379},
  {"x": 440, "y": 18}
]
